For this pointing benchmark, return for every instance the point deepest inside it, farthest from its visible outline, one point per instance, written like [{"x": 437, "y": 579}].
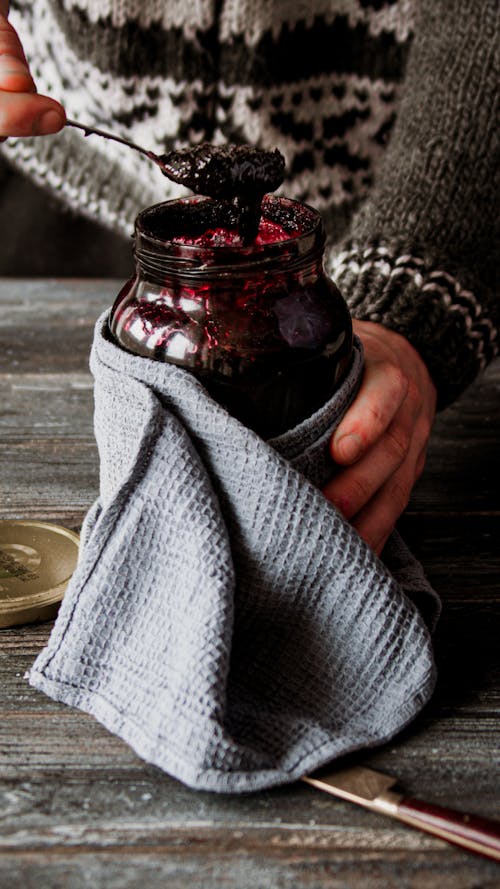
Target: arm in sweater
[
  {"x": 420, "y": 264},
  {"x": 422, "y": 255}
]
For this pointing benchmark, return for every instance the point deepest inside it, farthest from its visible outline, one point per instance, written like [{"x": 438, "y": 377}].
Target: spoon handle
[{"x": 94, "y": 131}]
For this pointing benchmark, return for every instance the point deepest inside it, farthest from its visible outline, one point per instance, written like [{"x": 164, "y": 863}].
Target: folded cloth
[{"x": 224, "y": 619}]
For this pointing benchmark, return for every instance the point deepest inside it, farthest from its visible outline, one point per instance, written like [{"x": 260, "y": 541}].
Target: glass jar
[{"x": 260, "y": 325}]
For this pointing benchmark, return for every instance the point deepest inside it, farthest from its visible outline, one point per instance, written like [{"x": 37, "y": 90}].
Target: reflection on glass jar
[{"x": 261, "y": 325}]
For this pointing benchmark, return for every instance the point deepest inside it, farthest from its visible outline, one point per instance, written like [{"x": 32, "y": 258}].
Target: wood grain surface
[{"x": 79, "y": 809}]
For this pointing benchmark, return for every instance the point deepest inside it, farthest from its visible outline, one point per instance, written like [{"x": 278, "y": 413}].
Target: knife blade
[{"x": 376, "y": 791}]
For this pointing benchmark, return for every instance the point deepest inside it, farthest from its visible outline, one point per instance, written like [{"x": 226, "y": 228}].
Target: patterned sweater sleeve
[{"x": 421, "y": 256}]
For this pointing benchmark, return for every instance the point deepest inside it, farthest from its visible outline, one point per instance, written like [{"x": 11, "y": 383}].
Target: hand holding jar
[{"x": 382, "y": 439}]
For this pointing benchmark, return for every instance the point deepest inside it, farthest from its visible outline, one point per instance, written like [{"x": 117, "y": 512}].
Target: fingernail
[
  {"x": 349, "y": 447},
  {"x": 50, "y": 122}
]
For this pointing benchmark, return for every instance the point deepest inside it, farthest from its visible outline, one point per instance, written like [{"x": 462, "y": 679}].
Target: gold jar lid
[{"x": 37, "y": 560}]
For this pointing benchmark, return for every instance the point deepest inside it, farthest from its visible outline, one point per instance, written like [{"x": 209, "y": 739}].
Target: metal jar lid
[{"x": 37, "y": 560}]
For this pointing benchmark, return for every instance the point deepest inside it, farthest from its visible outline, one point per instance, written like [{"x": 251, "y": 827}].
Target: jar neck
[{"x": 159, "y": 255}]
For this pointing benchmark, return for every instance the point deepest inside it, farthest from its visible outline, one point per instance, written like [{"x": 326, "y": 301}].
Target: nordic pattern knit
[{"x": 386, "y": 113}]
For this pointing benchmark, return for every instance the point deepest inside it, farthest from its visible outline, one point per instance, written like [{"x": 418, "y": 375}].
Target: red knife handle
[{"x": 476, "y": 834}]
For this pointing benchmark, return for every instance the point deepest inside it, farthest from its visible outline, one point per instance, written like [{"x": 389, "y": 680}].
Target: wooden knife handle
[{"x": 471, "y": 832}]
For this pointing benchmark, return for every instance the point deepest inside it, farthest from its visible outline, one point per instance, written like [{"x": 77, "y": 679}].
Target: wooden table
[{"x": 79, "y": 809}]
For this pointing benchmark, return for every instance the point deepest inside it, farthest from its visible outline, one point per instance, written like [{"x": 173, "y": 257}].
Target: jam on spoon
[
  {"x": 238, "y": 174},
  {"x": 230, "y": 285}
]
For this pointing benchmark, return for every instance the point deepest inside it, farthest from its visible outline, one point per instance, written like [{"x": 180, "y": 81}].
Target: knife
[{"x": 374, "y": 790}]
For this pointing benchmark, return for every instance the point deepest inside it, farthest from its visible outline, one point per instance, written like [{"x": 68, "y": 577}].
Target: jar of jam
[{"x": 259, "y": 324}]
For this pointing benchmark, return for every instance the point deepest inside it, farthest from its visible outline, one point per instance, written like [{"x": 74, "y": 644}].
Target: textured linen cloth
[{"x": 224, "y": 619}]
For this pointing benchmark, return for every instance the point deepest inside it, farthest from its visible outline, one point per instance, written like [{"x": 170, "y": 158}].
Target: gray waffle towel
[{"x": 224, "y": 619}]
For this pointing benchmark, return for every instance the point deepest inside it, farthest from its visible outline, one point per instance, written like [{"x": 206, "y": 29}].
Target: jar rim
[{"x": 310, "y": 220}]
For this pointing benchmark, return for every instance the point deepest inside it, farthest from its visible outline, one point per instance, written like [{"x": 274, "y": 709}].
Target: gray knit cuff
[{"x": 445, "y": 322}]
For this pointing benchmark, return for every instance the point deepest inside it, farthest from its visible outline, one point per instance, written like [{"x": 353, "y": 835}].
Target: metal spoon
[
  {"x": 240, "y": 173},
  {"x": 94, "y": 131}
]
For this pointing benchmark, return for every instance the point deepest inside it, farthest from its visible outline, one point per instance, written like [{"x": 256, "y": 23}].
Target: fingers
[
  {"x": 388, "y": 427},
  {"x": 373, "y": 494},
  {"x": 376, "y": 520},
  {"x": 22, "y": 111},
  {"x": 382, "y": 392},
  {"x": 351, "y": 489}
]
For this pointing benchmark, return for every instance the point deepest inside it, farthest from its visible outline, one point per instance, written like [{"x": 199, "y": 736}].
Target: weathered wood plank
[
  {"x": 453, "y": 764},
  {"x": 46, "y": 434},
  {"x": 200, "y": 865},
  {"x": 46, "y": 325},
  {"x": 120, "y": 787},
  {"x": 79, "y": 809},
  {"x": 49, "y": 454},
  {"x": 45, "y": 336},
  {"x": 461, "y": 471}
]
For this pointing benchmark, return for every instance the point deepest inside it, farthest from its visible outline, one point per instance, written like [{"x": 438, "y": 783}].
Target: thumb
[{"x": 22, "y": 111}]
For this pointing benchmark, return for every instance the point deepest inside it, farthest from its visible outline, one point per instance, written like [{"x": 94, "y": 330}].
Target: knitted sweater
[{"x": 385, "y": 111}]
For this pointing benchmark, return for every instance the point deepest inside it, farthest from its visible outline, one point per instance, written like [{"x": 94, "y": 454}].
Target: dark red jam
[
  {"x": 267, "y": 233},
  {"x": 236, "y": 175},
  {"x": 239, "y": 175},
  {"x": 261, "y": 325},
  {"x": 224, "y": 172}
]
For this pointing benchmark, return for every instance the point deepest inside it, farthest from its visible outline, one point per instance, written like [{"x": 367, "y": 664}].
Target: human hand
[
  {"x": 381, "y": 441},
  {"x": 22, "y": 111}
]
